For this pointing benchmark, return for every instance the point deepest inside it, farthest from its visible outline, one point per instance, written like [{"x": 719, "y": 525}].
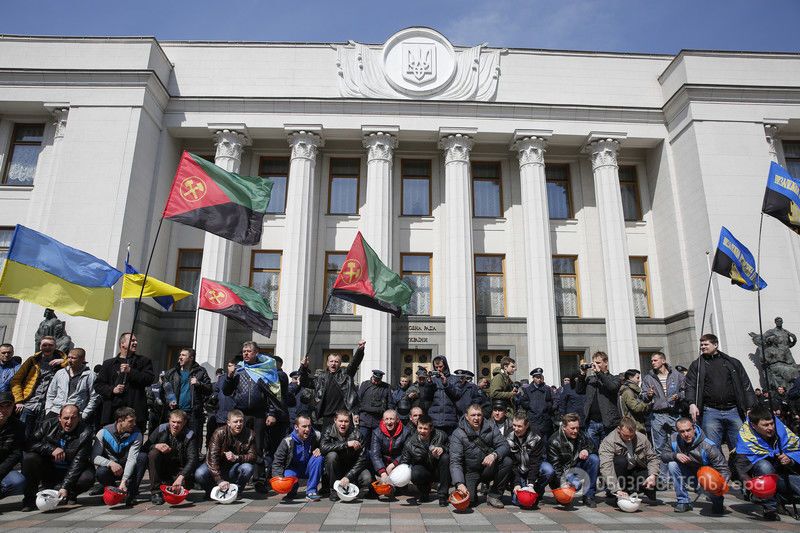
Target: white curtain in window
[
  {"x": 490, "y": 295},
  {"x": 266, "y": 283},
  {"x": 566, "y": 295},
  {"x": 22, "y": 168},
  {"x": 337, "y": 305},
  {"x": 640, "y": 297},
  {"x": 420, "y": 303},
  {"x": 343, "y": 196}
]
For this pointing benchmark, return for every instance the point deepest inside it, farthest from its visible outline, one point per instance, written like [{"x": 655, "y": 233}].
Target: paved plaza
[{"x": 262, "y": 513}]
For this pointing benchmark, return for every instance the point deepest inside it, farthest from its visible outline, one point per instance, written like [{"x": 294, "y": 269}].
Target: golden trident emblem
[
  {"x": 351, "y": 270},
  {"x": 193, "y": 189},
  {"x": 215, "y": 296}
]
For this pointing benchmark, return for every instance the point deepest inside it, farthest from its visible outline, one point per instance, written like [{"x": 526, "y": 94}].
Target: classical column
[
  {"x": 211, "y": 328},
  {"x": 294, "y": 294},
  {"x": 459, "y": 261},
  {"x": 622, "y": 344},
  {"x": 542, "y": 339},
  {"x": 771, "y": 133},
  {"x": 376, "y": 226}
]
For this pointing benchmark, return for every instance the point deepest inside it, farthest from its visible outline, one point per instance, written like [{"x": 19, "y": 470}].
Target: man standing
[
  {"x": 123, "y": 380},
  {"x": 447, "y": 392},
  {"x": 399, "y": 400},
  {"x": 299, "y": 455},
  {"x": 664, "y": 385},
  {"x": 421, "y": 392},
  {"x": 12, "y": 441},
  {"x": 117, "y": 454},
  {"x": 426, "y": 453},
  {"x": 628, "y": 462},
  {"x": 569, "y": 448},
  {"x": 374, "y": 397},
  {"x": 345, "y": 455},
  {"x": 631, "y": 401},
  {"x": 231, "y": 456},
  {"x": 537, "y": 400},
  {"x": 294, "y": 391},
  {"x": 29, "y": 385},
  {"x": 59, "y": 454},
  {"x": 334, "y": 389},
  {"x": 172, "y": 458},
  {"x": 500, "y": 418},
  {"x": 478, "y": 453},
  {"x": 528, "y": 451},
  {"x": 687, "y": 451},
  {"x": 387, "y": 444},
  {"x": 719, "y": 392},
  {"x": 569, "y": 401},
  {"x": 8, "y": 366},
  {"x": 186, "y": 387},
  {"x": 600, "y": 410},
  {"x": 73, "y": 385},
  {"x": 502, "y": 385}
]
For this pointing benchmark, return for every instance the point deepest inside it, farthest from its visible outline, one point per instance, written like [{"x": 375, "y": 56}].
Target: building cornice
[{"x": 735, "y": 94}]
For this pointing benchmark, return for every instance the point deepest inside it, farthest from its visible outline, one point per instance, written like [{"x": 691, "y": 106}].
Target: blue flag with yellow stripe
[{"x": 733, "y": 260}]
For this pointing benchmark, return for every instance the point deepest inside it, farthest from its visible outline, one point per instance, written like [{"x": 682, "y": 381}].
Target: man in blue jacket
[
  {"x": 299, "y": 455},
  {"x": 447, "y": 392}
]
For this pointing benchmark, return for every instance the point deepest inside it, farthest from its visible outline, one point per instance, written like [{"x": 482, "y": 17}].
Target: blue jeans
[
  {"x": 722, "y": 423},
  {"x": 238, "y": 473},
  {"x": 596, "y": 431},
  {"x": 788, "y": 484},
  {"x": 12, "y": 484},
  {"x": 106, "y": 477},
  {"x": 590, "y": 465},
  {"x": 684, "y": 477},
  {"x": 310, "y": 470},
  {"x": 662, "y": 425},
  {"x": 538, "y": 479}
]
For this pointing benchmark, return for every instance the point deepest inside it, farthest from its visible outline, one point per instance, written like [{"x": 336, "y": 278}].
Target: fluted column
[
  {"x": 295, "y": 275},
  {"x": 542, "y": 342},
  {"x": 771, "y": 133},
  {"x": 211, "y": 328},
  {"x": 376, "y": 226},
  {"x": 623, "y": 346},
  {"x": 460, "y": 266}
]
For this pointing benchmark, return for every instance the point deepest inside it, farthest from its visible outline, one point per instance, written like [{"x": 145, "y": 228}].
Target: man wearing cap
[
  {"x": 374, "y": 397},
  {"x": 12, "y": 441},
  {"x": 387, "y": 444},
  {"x": 502, "y": 384},
  {"x": 499, "y": 418},
  {"x": 421, "y": 392},
  {"x": 470, "y": 392},
  {"x": 537, "y": 400}
]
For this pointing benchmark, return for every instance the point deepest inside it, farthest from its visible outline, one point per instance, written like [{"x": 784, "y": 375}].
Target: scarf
[
  {"x": 753, "y": 446},
  {"x": 264, "y": 369}
]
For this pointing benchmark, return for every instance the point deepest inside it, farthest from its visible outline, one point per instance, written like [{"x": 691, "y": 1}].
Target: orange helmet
[
  {"x": 282, "y": 485},
  {"x": 381, "y": 489},
  {"x": 564, "y": 495},
  {"x": 459, "y": 500},
  {"x": 711, "y": 481}
]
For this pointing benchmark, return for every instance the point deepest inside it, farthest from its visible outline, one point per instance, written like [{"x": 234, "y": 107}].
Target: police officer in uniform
[
  {"x": 537, "y": 400},
  {"x": 373, "y": 398}
]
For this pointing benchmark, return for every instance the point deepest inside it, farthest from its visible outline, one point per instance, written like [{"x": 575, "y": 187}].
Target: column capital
[
  {"x": 379, "y": 145},
  {"x": 304, "y": 144},
  {"x": 530, "y": 150},
  {"x": 771, "y": 130},
  {"x": 604, "y": 153},
  {"x": 230, "y": 143},
  {"x": 456, "y": 147}
]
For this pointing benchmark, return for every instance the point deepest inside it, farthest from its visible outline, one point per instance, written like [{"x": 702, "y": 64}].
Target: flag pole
[
  {"x": 764, "y": 362},
  {"x": 314, "y": 336},
  {"x": 196, "y": 312},
  {"x": 144, "y": 282},
  {"x": 717, "y": 330},
  {"x": 708, "y": 291}
]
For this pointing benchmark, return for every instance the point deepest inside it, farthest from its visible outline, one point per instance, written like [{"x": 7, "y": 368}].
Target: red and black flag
[
  {"x": 242, "y": 304},
  {"x": 364, "y": 280},
  {"x": 219, "y": 202},
  {"x": 782, "y": 197}
]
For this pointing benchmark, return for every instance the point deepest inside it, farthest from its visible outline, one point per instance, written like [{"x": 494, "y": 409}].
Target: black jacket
[
  {"x": 199, "y": 392},
  {"x": 386, "y": 448},
  {"x": 333, "y": 442},
  {"x": 527, "y": 452},
  {"x": 416, "y": 452},
  {"x": 446, "y": 394},
  {"x": 253, "y": 398},
  {"x": 343, "y": 378},
  {"x": 537, "y": 400},
  {"x": 184, "y": 447},
  {"x": 421, "y": 395},
  {"x": 373, "y": 400},
  {"x": 12, "y": 439},
  {"x": 77, "y": 446},
  {"x": 141, "y": 375},
  {"x": 604, "y": 387},
  {"x": 570, "y": 401},
  {"x": 563, "y": 452},
  {"x": 695, "y": 380},
  {"x": 471, "y": 393},
  {"x": 468, "y": 448}
]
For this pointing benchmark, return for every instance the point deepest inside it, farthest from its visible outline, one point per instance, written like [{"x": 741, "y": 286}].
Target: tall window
[
  {"x": 559, "y": 194},
  {"x": 641, "y": 290},
  {"x": 188, "y": 277},
  {"x": 265, "y": 275},
  {"x": 629, "y": 187},
  {"x": 565, "y": 285},
  {"x": 333, "y": 264},
  {"x": 486, "y": 189},
  {"x": 343, "y": 187},
  {"x": 417, "y": 273},
  {"x": 416, "y": 185},
  {"x": 490, "y": 285},
  {"x": 791, "y": 151},
  {"x": 277, "y": 169},
  {"x": 26, "y": 144}
]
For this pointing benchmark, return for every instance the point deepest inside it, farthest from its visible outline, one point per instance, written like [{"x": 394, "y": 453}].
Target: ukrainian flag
[
  {"x": 163, "y": 293},
  {"x": 41, "y": 270}
]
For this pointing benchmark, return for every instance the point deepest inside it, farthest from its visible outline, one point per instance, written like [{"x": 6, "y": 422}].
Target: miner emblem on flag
[{"x": 242, "y": 304}]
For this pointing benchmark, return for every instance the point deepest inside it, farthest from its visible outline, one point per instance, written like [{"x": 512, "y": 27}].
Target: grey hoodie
[{"x": 84, "y": 395}]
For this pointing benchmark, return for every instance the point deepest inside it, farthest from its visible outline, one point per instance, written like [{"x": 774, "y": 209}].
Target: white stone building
[{"x": 546, "y": 204}]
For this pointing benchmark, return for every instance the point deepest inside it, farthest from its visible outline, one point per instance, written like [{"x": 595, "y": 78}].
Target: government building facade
[{"x": 542, "y": 204}]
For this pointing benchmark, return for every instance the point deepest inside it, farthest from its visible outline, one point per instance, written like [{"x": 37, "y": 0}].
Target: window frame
[
  {"x": 13, "y": 144},
  {"x": 568, "y": 182},
  {"x": 416, "y": 273},
  {"x": 502, "y": 273},
  {"x": 403, "y": 177},
  {"x": 325, "y": 284},
  {"x": 577, "y": 276},
  {"x": 637, "y": 192},
  {"x": 179, "y": 268},
  {"x": 646, "y": 277},
  {"x": 266, "y": 175},
  {"x": 253, "y": 270},
  {"x": 415, "y": 363},
  {"x": 498, "y": 179},
  {"x": 330, "y": 185},
  {"x": 494, "y": 361}
]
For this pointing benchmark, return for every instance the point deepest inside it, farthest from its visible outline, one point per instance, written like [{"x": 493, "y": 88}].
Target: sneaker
[
  {"x": 589, "y": 502},
  {"x": 443, "y": 502},
  {"x": 683, "y": 507},
  {"x": 157, "y": 498},
  {"x": 97, "y": 490},
  {"x": 425, "y": 498},
  {"x": 771, "y": 516},
  {"x": 261, "y": 486},
  {"x": 130, "y": 500},
  {"x": 312, "y": 496},
  {"x": 495, "y": 502}
]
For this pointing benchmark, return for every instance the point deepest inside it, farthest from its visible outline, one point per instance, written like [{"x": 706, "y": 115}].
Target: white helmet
[
  {"x": 47, "y": 500},
  {"x": 346, "y": 494},
  {"x": 229, "y": 496},
  {"x": 400, "y": 476},
  {"x": 630, "y": 504}
]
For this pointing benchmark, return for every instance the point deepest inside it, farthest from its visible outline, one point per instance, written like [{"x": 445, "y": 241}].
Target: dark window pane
[
  {"x": 416, "y": 263},
  {"x": 489, "y": 264},
  {"x": 271, "y": 261},
  {"x": 416, "y": 199},
  {"x": 558, "y": 200},
  {"x": 487, "y": 198},
  {"x": 190, "y": 258},
  {"x": 563, "y": 265},
  {"x": 347, "y": 167},
  {"x": 29, "y": 133},
  {"x": 485, "y": 169},
  {"x": 630, "y": 202},
  {"x": 274, "y": 166},
  {"x": 627, "y": 173},
  {"x": 637, "y": 266},
  {"x": 344, "y": 192},
  {"x": 277, "y": 201},
  {"x": 416, "y": 167}
]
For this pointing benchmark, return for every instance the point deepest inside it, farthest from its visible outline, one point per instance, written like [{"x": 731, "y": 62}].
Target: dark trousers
[
  {"x": 259, "y": 425},
  {"x": 499, "y": 473},
  {"x": 164, "y": 469},
  {"x": 274, "y": 436},
  {"x": 211, "y": 425},
  {"x": 788, "y": 483},
  {"x": 423, "y": 476},
  {"x": 366, "y": 434},
  {"x": 106, "y": 477},
  {"x": 630, "y": 479},
  {"x": 38, "y": 469},
  {"x": 336, "y": 467}
]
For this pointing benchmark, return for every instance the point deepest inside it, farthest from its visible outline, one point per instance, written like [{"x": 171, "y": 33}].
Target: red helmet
[
  {"x": 172, "y": 496},
  {"x": 113, "y": 496},
  {"x": 459, "y": 500},
  {"x": 763, "y": 487},
  {"x": 711, "y": 481},
  {"x": 564, "y": 495},
  {"x": 282, "y": 485},
  {"x": 527, "y": 497}
]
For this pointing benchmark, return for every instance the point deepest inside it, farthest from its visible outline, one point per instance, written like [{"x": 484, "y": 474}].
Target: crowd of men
[{"x": 67, "y": 426}]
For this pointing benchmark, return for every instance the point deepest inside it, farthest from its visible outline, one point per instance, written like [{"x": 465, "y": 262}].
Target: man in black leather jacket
[
  {"x": 601, "y": 388},
  {"x": 172, "y": 458},
  {"x": 60, "y": 452},
  {"x": 425, "y": 452},
  {"x": 569, "y": 448},
  {"x": 529, "y": 453},
  {"x": 345, "y": 455}
]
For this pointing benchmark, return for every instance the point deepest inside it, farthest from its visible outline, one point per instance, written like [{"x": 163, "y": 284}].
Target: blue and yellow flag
[
  {"x": 782, "y": 197},
  {"x": 41, "y": 270},
  {"x": 163, "y": 293},
  {"x": 733, "y": 260}
]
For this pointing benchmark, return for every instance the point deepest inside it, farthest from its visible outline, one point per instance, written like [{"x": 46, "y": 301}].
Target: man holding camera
[{"x": 600, "y": 388}]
